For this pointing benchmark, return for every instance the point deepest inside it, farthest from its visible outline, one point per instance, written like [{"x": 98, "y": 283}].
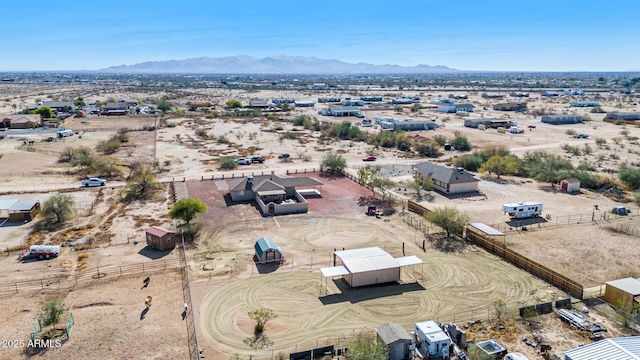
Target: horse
[{"x": 147, "y": 302}]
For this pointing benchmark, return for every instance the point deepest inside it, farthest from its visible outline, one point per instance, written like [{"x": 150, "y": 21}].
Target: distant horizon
[{"x": 545, "y": 36}]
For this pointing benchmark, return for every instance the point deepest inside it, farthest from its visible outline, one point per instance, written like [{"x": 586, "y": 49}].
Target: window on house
[{"x": 148, "y": 237}]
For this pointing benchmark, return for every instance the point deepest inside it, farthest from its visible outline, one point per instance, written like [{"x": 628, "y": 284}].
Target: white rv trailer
[{"x": 522, "y": 210}]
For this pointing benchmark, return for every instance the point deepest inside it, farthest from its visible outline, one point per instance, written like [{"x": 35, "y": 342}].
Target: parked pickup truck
[
  {"x": 94, "y": 182},
  {"x": 257, "y": 159}
]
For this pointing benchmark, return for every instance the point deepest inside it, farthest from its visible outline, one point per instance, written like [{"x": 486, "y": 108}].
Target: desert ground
[{"x": 458, "y": 285}]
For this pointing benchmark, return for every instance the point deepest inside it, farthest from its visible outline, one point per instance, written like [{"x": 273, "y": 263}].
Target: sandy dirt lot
[
  {"x": 227, "y": 284},
  {"x": 447, "y": 282},
  {"x": 109, "y": 320}
]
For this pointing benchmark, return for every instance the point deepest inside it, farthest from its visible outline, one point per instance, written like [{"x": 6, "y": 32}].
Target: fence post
[
  {"x": 142, "y": 267},
  {"x": 16, "y": 284},
  {"x": 41, "y": 284}
]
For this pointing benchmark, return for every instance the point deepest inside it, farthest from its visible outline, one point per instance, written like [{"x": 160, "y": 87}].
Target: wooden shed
[
  {"x": 570, "y": 185},
  {"x": 396, "y": 339},
  {"x": 161, "y": 238},
  {"x": 268, "y": 251},
  {"x": 622, "y": 292},
  {"x": 24, "y": 210}
]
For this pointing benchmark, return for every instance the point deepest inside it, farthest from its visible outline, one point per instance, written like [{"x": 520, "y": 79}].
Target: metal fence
[
  {"x": 88, "y": 277},
  {"x": 575, "y": 219},
  {"x": 627, "y": 229}
]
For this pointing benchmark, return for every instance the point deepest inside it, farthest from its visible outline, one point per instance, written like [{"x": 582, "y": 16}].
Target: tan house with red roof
[{"x": 20, "y": 121}]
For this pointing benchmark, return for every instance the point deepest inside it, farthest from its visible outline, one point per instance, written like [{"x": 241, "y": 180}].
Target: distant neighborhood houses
[{"x": 510, "y": 106}]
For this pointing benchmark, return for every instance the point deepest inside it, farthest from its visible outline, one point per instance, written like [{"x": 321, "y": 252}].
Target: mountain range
[{"x": 243, "y": 64}]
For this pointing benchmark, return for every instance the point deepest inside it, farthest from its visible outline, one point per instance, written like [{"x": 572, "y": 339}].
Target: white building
[
  {"x": 368, "y": 266},
  {"x": 432, "y": 340}
]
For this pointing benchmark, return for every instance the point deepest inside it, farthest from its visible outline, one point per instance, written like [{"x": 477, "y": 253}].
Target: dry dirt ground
[
  {"x": 110, "y": 322},
  {"x": 227, "y": 284},
  {"x": 312, "y": 310}
]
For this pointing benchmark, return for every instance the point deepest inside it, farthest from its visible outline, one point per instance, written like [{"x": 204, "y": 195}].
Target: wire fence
[
  {"x": 575, "y": 219},
  {"x": 192, "y": 336},
  {"x": 89, "y": 276},
  {"x": 628, "y": 229}
]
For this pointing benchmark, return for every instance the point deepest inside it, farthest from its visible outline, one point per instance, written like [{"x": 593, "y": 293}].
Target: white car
[
  {"x": 243, "y": 161},
  {"x": 94, "y": 182}
]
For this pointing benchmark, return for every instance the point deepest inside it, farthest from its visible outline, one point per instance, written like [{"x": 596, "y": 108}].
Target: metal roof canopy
[
  {"x": 627, "y": 348},
  {"x": 334, "y": 271},
  {"x": 370, "y": 263},
  {"x": 486, "y": 229},
  {"x": 359, "y": 253},
  {"x": 629, "y": 285},
  {"x": 6, "y": 204},
  {"x": 408, "y": 260},
  {"x": 23, "y": 205}
]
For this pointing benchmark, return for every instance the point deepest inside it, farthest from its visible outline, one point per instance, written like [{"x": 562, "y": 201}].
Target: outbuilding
[
  {"x": 368, "y": 266},
  {"x": 625, "y": 348},
  {"x": 432, "y": 340},
  {"x": 24, "y": 210},
  {"x": 570, "y": 185},
  {"x": 562, "y": 119},
  {"x": 268, "y": 251},
  {"x": 161, "y": 238},
  {"x": 622, "y": 292},
  {"x": 396, "y": 339}
]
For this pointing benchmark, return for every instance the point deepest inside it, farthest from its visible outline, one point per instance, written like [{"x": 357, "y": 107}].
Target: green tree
[
  {"x": 630, "y": 176},
  {"x": 460, "y": 142},
  {"x": 366, "y": 346},
  {"x": 500, "y": 165},
  {"x": 234, "y": 104},
  {"x": 382, "y": 183},
  {"x": 366, "y": 174},
  {"x": 79, "y": 101},
  {"x": 546, "y": 167},
  {"x": 449, "y": 219},
  {"x": 261, "y": 316},
  {"x": 186, "y": 209},
  {"x": 58, "y": 208},
  {"x": 490, "y": 151},
  {"x": 500, "y": 308},
  {"x": 228, "y": 163},
  {"x": 45, "y": 111},
  {"x": 141, "y": 184},
  {"x": 420, "y": 183},
  {"x": 333, "y": 163},
  {"x": 52, "y": 312},
  {"x": 164, "y": 106}
]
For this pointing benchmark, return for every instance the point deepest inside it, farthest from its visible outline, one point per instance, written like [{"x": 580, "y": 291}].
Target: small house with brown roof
[
  {"x": 274, "y": 195},
  {"x": 447, "y": 180},
  {"x": 161, "y": 238},
  {"x": 21, "y": 121}
]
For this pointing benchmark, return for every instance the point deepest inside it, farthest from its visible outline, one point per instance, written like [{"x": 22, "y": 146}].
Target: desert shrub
[
  {"x": 570, "y": 131},
  {"x": 619, "y": 122},
  {"x": 440, "y": 139},
  {"x": 428, "y": 148},
  {"x": 222, "y": 139},
  {"x": 288, "y": 135},
  {"x": 228, "y": 163},
  {"x": 109, "y": 146},
  {"x": 597, "y": 110},
  {"x": 202, "y": 133},
  {"x": 171, "y": 124},
  {"x": 270, "y": 117},
  {"x": 600, "y": 141},
  {"x": 52, "y": 313},
  {"x": 460, "y": 142},
  {"x": 630, "y": 176},
  {"x": 472, "y": 162}
]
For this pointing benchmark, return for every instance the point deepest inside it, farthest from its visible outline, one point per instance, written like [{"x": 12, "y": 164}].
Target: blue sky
[{"x": 496, "y": 35}]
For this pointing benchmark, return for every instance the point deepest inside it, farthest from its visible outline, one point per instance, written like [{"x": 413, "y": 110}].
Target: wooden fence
[
  {"x": 499, "y": 248},
  {"x": 417, "y": 208}
]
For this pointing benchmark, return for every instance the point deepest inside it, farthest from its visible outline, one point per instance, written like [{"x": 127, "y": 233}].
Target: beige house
[
  {"x": 447, "y": 180},
  {"x": 274, "y": 195},
  {"x": 21, "y": 121}
]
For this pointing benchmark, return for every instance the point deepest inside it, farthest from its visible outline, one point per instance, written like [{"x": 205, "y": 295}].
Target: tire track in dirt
[{"x": 458, "y": 282}]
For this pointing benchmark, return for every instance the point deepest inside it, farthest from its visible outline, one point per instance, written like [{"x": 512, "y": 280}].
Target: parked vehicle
[
  {"x": 620, "y": 210},
  {"x": 580, "y": 136},
  {"x": 283, "y": 156},
  {"x": 65, "y": 133},
  {"x": 243, "y": 161},
  {"x": 369, "y": 158},
  {"x": 523, "y": 210},
  {"x": 94, "y": 182},
  {"x": 41, "y": 252},
  {"x": 49, "y": 139},
  {"x": 257, "y": 159}
]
